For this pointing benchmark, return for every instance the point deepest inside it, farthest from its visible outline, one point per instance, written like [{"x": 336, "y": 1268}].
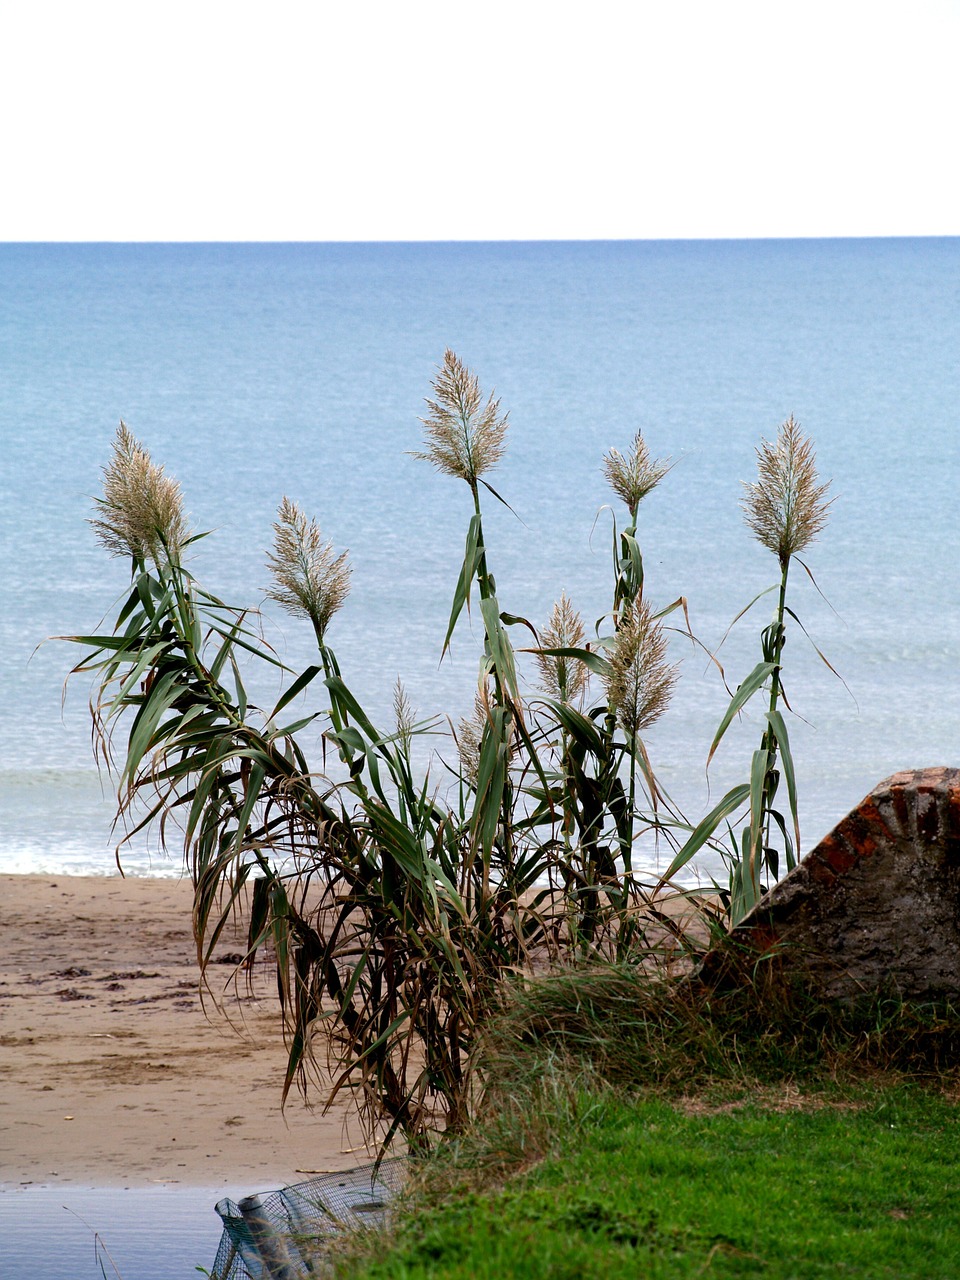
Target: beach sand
[{"x": 113, "y": 1072}]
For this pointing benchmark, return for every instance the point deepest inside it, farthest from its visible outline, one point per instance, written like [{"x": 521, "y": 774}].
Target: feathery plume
[
  {"x": 403, "y": 713},
  {"x": 469, "y": 736},
  {"x": 563, "y": 678},
  {"x": 464, "y": 436},
  {"x": 785, "y": 507},
  {"x": 639, "y": 682},
  {"x": 634, "y": 476},
  {"x": 309, "y": 579},
  {"x": 141, "y": 511}
]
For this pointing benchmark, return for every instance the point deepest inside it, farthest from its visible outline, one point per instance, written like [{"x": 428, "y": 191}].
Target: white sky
[{"x": 433, "y": 119}]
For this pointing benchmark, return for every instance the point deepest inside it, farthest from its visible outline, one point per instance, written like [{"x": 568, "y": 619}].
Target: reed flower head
[
  {"x": 404, "y": 714},
  {"x": 468, "y": 738},
  {"x": 634, "y": 476},
  {"x": 785, "y": 507},
  {"x": 141, "y": 511},
  {"x": 464, "y": 435},
  {"x": 469, "y": 735},
  {"x": 308, "y": 578},
  {"x": 639, "y": 682},
  {"x": 563, "y": 678}
]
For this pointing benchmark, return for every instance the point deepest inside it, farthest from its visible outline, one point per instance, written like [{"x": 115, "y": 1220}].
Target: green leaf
[
  {"x": 371, "y": 1049},
  {"x": 162, "y": 696},
  {"x": 471, "y": 559},
  {"x": 146, "y": 658},
  {"x": 491, "y": 779},
  {"x": 820, "y": 654},
  {"x": 753, "y": 682},
  {"x": 499, "y": 498},
  {"x": 514, "y": 620},
  {"x": 349, "y": 739},
  {"x": 746, "y": 609},
  {"x": 288, "y": 730},
  {"x": 734, "y": 798},
  {"x": 235, "y": 638},
  {"x": 631, "y": 566},
  {"x": 498, "y": 642},
  {"x": 579, "y": 726},
  {"x": 594, "y": 661},
  {"x": 115, "y": 644},
  {"x": 778, "y": 724},
  {"x": 298, "y": 686},
  {"x": 347, "y": 702},
  {"x": 254, "y": 783},
  {"x": 759, "y": 766}
]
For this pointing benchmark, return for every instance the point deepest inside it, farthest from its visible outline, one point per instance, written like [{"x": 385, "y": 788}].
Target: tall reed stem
[{"x": 761, "y": 826}]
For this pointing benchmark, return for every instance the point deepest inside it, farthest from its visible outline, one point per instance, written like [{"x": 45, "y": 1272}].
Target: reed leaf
[
  {"x": 745, "y": 691},
  {"x": 472, "y": 557},
  {"x": 705, "y": 829},
  {"x": 778, "y": 724}
]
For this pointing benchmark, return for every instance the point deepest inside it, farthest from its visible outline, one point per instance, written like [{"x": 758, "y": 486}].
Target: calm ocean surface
[{"x": 254, "y": 371}]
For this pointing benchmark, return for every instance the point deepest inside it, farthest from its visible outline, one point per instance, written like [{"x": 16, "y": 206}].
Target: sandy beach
[{"x": 113, "y": 1072}]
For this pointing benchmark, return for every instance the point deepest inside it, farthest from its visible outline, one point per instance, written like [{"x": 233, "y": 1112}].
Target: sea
[{"x": 255, "y": 371}]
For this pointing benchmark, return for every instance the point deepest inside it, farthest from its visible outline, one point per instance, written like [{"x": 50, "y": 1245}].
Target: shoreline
[{"x": 116, "y": 1074}]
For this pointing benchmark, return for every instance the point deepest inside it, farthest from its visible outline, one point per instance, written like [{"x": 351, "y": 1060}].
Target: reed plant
[
  {"x": 603, "y": 781},
  {"x": 785, "y": 508},
  {"x": 399, "y": 908}
]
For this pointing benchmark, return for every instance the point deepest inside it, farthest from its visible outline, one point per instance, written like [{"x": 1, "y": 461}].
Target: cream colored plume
[
  {"x": 634, "y": 476},
  {"x": 464, "y": 436},
  {"x": 141, "y": 511},
  {"x": 639, "y": 682},
  {"x": 785, "y": 507},
  {"x": 562, "y": 678},
  {"x": 308, "y": 578}
]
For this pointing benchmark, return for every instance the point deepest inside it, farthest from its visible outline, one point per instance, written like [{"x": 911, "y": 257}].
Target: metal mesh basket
[{"x": 278, "y": 1236}]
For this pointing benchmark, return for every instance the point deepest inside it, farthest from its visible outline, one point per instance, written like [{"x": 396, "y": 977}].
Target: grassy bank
[
  {"x": 637, "y": 1128},
  {"x": 853, "y": 1183}
]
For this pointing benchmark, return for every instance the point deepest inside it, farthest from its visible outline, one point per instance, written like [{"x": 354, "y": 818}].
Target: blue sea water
[
  {"x": 254, "y": 371},
  {"x": 163, "y": 1232}
]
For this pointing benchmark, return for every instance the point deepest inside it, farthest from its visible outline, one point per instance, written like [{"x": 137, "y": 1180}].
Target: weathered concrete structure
[{"x": 876, "y": 905}]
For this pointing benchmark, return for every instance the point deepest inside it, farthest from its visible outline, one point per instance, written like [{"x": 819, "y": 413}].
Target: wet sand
[{"x": 113, "y": 1072}]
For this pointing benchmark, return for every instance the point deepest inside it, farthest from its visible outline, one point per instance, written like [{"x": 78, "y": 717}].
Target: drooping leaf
[
  {"x": 468, "y": 570},
  {"x": 705, "y": 829},
  {"x": 754, "y": 681}
]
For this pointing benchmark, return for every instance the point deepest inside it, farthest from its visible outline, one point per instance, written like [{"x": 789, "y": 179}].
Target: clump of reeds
[
  {"x": 786, "y": 508},
  {"x": 400, "y": 912}
]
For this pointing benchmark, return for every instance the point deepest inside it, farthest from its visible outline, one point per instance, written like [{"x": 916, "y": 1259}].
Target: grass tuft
[{"x": 639, "y": 1032}]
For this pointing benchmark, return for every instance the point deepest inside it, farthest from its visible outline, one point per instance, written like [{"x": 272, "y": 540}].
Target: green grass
[{"x": 862, "y": 1186}]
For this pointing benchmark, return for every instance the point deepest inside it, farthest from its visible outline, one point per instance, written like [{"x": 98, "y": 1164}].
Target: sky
[{"x": 443, "y": 120}]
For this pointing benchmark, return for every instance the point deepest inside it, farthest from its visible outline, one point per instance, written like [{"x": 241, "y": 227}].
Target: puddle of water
[{"x": 150, "y": 1233}]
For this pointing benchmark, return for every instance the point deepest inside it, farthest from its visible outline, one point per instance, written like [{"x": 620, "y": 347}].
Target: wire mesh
[{"x": 279, "y": 1235}]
